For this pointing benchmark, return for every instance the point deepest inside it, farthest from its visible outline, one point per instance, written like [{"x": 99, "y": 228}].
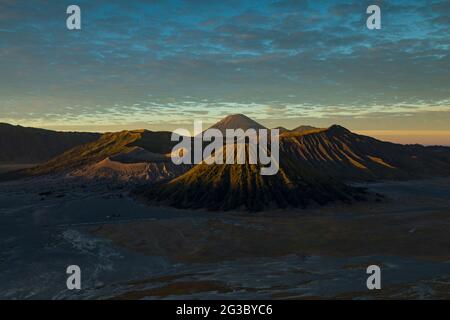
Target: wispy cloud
[{"x": 148, "y": 62}]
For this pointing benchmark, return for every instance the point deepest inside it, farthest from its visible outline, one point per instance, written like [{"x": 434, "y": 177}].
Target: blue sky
[{"x": 160, "y": 64}]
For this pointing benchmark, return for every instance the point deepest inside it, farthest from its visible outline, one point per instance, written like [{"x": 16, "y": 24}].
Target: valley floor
[{"x": 127, "y": 250}]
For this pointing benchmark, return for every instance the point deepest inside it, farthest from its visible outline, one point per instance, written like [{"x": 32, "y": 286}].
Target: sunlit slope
[
  {"x": 108, "y": 145},
  {"x": 334, "y": 152},
  {"x": 340, "y": 153},
  {"x": 130, "y": 172},
  {"x": 313, "y": 165},
  {"x": 225, "y": 187}
]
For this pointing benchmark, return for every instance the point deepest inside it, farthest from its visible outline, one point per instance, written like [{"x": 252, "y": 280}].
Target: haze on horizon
[{"x": 160, "y": 64}]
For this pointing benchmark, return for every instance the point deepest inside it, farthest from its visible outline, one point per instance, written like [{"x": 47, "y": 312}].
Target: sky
[{"x": 160, "y": 65}]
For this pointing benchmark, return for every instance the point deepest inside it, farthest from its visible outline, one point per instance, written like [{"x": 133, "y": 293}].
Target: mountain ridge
[
  {"x": 28, "y": 145},
  {"x": 334, "y": 151},
  {"x": 108, "y": 145},
  {"x": 315, "y": 165},
  {"x": 344, "y": 154},
  {"x": 237, "y": 121},
  {"x": 233, "y": 186}
]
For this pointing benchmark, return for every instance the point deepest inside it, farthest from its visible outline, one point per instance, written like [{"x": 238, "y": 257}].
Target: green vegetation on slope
[
  {"x": 226, "y": 187},
  {"x": 109, "y": 144}
]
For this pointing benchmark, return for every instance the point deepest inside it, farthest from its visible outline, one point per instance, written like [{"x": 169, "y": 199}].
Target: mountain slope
[
  {"x": 340, "y": 153},
  {"x": 334, "y": 152},
  {"x": 313, "y": 164},
  {"x": 226, "y": 187},
  {"x": 21, "y": 145},
  {"x": 111, "y": 171},
  {"x": 108, "y": 145},
  {"x": 304, "y": 129},
  {"x": 282, "y": 130},
  {"x": 237, "y": 121}
]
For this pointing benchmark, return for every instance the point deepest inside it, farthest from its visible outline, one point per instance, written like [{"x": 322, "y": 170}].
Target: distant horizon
[
  {"x": 423, "y": 137},
  {"x": 160, "y": 64}
]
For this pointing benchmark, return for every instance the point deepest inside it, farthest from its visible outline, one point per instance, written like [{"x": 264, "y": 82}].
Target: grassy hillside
[
  {"x": 226, "y": 187},
  {"x": 109, "y": 144}
]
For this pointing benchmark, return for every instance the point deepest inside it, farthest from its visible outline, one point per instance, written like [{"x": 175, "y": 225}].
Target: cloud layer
[{"x": 149, "y": 63}]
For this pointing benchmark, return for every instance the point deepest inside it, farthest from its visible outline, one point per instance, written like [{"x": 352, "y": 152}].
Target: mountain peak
[
  {"x": 237, "y": 116},
  {"x": 282, "y": 129},
  {"x": 237, "y": 121},
  {"x": 335, "y": 128},
  {"x": 304, "y": 128}
]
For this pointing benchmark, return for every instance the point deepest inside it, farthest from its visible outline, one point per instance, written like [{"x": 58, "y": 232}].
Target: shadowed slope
[
  {"x": 334, "y": 152},
  {"x": 226, "y": 187},
  {"x": 312, "y": 164},
  {"x": 340, "y": 153},
  {"x": 30, "y": 145},
  {"x": 131, "y": 173},
  {"x": 108, "y": 145}
]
